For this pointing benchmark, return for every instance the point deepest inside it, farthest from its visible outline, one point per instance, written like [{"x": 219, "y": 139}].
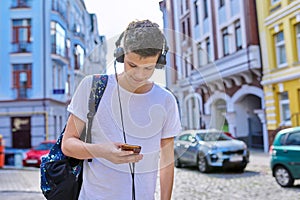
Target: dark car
[
  {"x": 208, "y": 149},
  {"x": 285, "y": 156},
  {"x": 33, "y": 156}
]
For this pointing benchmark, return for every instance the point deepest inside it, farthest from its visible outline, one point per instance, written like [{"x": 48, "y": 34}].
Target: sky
[{"x": 113, "y": 16}]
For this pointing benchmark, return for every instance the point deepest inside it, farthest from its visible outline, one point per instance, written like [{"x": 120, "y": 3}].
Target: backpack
[{"x": 61, "y": 176}]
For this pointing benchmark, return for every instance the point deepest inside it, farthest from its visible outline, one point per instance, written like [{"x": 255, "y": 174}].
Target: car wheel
[
  {"x": 177, "y": 162},
  {"x": 203, "y": 164},
  {"x": 283, "y": 176}
]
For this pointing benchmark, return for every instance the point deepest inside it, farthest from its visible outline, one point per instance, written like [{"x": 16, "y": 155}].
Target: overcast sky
[{"x": 114, "y": 15}]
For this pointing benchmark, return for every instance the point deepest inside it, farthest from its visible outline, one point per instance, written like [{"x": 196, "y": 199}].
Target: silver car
[{"x": 208, "y": 149}]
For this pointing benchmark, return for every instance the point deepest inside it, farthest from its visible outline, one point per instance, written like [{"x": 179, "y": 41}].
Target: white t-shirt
[{"x": 147, "y": 117}]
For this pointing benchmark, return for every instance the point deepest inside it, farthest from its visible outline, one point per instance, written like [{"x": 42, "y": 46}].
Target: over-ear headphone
[{"x": 161, "y": 61}]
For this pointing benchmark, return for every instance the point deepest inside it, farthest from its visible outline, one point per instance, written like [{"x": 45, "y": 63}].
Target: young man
[{"x": 148, "y": 113}]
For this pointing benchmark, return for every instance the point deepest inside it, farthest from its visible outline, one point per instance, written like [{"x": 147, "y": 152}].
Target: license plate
[
  {"x": 236, "y": 158},
  {"x": 31, "y": 161}
]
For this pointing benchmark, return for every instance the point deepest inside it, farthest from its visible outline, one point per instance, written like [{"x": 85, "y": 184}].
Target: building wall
[
  {"x": 283, "y": 16},
  {"x": 213, "y": 85},
  {"x": 42, "y": 92}
]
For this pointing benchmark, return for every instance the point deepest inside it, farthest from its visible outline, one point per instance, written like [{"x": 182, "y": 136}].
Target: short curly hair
[{"x": 143, "y": 38}]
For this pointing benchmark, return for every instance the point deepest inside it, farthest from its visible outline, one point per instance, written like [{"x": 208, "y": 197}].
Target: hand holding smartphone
[{"x": 128, "y": 147}]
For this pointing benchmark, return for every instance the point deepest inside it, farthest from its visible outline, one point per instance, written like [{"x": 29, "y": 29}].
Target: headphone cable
[{"x": 132, "y": 168}]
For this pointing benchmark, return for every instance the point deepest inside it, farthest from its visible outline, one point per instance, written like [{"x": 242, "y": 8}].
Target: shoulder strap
[{"x": 97, "y": 90}]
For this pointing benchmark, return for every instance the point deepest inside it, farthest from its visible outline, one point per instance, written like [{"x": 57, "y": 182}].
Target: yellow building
[{"x": 279, "y": 30}]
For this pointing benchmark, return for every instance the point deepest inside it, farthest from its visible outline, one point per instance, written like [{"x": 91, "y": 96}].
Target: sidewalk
[
  {"x": 19, "y": 179},
  {"x": 16, "y": 182}
]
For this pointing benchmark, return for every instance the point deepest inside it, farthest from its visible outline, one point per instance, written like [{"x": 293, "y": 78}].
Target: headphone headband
[{"x": 120, "y": 53}]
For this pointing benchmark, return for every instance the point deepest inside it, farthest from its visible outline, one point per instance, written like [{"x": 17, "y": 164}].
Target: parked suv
[
  {"x": 285, "y": 156},
  {"x": 208, "y": 149}
]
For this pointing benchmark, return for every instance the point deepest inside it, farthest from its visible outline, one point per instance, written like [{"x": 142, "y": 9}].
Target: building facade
[
  {"x": 216, "y": 55},
  {"x": 45, "y": 48},
  {"x": 279, "y": 29}
]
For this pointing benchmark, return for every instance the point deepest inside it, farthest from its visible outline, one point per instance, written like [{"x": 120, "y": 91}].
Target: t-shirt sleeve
[
  {"x": 79, "y": 102},
  {"x": 172, "y": 125}
]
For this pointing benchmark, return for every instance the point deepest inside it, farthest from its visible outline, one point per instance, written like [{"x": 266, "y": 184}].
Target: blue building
[{"x": 45, "y": 45}]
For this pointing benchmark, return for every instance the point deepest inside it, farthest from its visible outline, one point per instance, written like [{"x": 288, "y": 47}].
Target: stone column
[
  {"x": 261, "y": 115},
  {"x": 231, "y": 119},
  {"x": 206, "y": 120}
]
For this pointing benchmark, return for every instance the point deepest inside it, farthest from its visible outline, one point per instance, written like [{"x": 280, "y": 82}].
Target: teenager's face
[{"x": 138, "y": 70}]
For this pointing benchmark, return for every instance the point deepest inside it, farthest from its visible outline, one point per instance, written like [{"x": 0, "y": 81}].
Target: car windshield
[
  {"x": 213, "y": 136},
  {"x": 44, "y": 146}
]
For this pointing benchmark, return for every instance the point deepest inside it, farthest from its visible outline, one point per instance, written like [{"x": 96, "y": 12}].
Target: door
[
  {"x": 291, "y": 152},
  {"x": 21, "y": 132}
]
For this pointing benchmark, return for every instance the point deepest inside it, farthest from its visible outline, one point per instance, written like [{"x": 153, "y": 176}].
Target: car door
[
  {"x": 291, "y": 151},
  {"x": 191, "y": 149},
  {"x": 180, "y": 146},
  {"x": 183, "y": 147}
]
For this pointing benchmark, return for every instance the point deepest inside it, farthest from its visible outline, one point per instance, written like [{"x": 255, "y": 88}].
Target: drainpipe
[{"x": 44, "y": 71}]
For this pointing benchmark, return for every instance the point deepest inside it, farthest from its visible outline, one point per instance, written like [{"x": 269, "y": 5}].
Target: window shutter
[
  {"x": 29, "y": 79},
  {"x": 16, "y": 81}
]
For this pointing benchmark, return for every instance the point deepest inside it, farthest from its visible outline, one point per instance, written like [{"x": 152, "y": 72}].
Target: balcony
[
  {"x": 59, "y": 53},
  {"x": 22, "y": 47},
  {"x": 60, "y": 8},
  {"x": 21, "y": 4}
]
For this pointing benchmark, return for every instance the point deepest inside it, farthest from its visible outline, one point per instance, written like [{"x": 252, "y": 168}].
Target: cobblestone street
[{"x": 256, "y": 183}]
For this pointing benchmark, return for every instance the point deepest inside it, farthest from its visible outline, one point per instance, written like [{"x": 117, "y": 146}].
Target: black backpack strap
[{"x": 97, "y": 90}]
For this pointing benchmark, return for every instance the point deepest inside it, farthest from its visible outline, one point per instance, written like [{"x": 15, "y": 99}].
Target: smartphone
[{"x": 129, "y": 147}]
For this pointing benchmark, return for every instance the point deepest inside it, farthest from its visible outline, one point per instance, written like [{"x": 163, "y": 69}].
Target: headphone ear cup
[
  {"x": 119, "y": 54},
  {"x": 161, "y": 62}
]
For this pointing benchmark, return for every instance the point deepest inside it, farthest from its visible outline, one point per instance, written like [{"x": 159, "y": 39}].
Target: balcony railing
[
  {"x": 59, "y": 7},
  {"x": 22, "y": 47},
  {"x": 21, "y": 4},
  {"x": 58, "y": 50}
]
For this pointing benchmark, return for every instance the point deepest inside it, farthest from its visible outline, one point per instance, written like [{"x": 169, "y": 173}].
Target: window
[
  {"x": 21, "y": 38},
  {"x": 60, "y": 7},
  {"x": 181, "y": 7},
  {"x": 21, "y": 3},
  {"x": 79, "y": 57},
  {"x": 189, "y": 27},
  {"x": 208, "y": 50},
  {"x": 285, "y": 113},
  {"x": 293, "y": 139},
  {"x": 274, "y": 1},
  {"x": 58, "y": 40},
  {"x": 187, "y": 6},
  {"x": 205, "y": 9},
  {"x": 225, "y": 40},
  {"x": 238, "y": 35},
  {"x": 280, "y": 49},
  {"x": 58, "y": 83},
  {"x": 68, "y": 85},
  {"x": 22, "y": 78},
  {"x": 221, "y": 3},
  {"x": 186, "y": 137},
  {"x": 183, "y": 30},
  {"x": 196, "y": 12},
  {"x": 200, "y": 55},
  {"x": 298, "y": 40}
]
